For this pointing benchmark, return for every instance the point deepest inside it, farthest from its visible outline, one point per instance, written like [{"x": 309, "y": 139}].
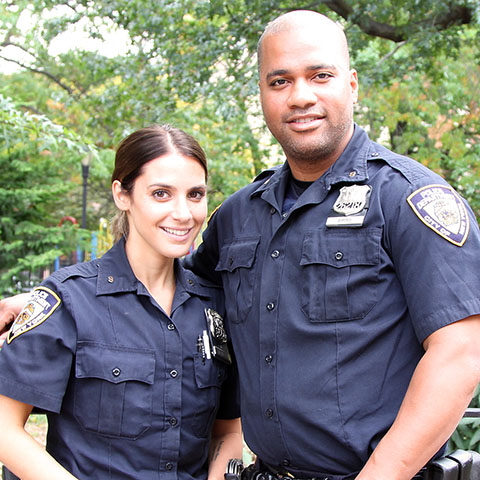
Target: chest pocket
[
  {"x": 341, "y": 269},
  {"x": 113, "y": 389},
  {"x": 235, "y": 263},
  {"x": 209, "y": 376}
]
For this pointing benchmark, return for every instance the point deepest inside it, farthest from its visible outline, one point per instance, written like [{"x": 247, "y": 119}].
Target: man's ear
[{"x": 120, "y": 196}]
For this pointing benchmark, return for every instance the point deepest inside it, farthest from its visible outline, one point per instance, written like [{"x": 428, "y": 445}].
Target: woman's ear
[{"x": 120, "y": 196}]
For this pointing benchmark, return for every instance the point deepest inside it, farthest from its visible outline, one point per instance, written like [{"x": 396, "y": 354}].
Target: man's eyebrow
[
  {"x": 311, "y": 68},
  {"x": 276, "y": 73}
]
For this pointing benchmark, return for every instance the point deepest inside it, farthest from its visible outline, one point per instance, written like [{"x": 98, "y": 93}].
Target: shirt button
[
  {"x": 173, "y": 422},
  {"x": 269, "y": 358},
  {"x": 338, "y": 256},
  {"x": 275, "y": 254},
  {"x": 171, "y": 326},
  {"x": 190, "y": 282},
  {"x": 269, "y": 412},
  {"x": 270, "y": 306},
  {"x": 284, "y": 215},
  {"x": 110, "y": 279},
  {"x": 173, "y": 373},
  {"x": 272, "y": 210},
  {"x": 352, "y": 174},
  {"x": 169, "y": 466},
  {"x": 116, "y": 372}
]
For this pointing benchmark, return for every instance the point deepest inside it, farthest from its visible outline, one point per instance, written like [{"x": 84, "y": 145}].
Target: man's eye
[
  {"x": 278, "y": 83},
  {"x": 323, "y": 76}
]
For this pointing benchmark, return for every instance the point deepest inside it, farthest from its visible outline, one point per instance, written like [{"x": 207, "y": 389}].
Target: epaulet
[{"x": 266, "y": 173}]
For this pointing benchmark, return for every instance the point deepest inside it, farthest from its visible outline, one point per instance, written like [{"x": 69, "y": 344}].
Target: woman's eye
[
  {"x": 160, "y": 194},
  {"x": 197, "y": 194}
]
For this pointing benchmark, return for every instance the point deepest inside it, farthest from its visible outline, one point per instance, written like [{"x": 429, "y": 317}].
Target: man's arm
[
  {"x": 439, "y": 392},
  {"x": 9, "y": 309}
]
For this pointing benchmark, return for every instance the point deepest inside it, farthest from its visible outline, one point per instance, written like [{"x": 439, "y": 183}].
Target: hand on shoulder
[{"x": 10, "y": 307}]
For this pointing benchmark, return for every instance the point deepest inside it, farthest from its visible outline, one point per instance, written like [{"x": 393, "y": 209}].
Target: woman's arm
[
  {"x": 226, "y": 443},
  {"x": 20, "y": 453}
]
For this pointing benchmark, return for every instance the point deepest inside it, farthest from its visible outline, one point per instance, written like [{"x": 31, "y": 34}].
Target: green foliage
[
  {"x": 192, "y": 63},
  {"x": 467, "y": 434},
  {"x": 32, "y": 192}
]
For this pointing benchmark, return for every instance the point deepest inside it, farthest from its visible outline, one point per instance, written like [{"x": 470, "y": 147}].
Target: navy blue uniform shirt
[
  {"x": 127, "y": 394},
  {"x": 330, "y": 301}
]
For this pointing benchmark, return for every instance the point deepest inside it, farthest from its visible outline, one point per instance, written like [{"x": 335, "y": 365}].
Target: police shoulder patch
[
  {"x": 41, "y": 305},
  {"x": 441, "y": 208}
]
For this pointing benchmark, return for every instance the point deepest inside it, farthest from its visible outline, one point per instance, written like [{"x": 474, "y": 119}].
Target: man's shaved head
[{"x": 301, "y": 19}]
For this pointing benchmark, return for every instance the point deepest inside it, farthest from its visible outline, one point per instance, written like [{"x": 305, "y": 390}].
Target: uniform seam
[
  {"x": 30, "y": 389},
  {"x": 472, "y": 306}
]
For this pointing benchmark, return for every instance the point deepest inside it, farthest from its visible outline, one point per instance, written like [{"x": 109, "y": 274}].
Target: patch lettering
[
  {"x": 41, "y": 305},
  {"x": 441, "y": 209}
]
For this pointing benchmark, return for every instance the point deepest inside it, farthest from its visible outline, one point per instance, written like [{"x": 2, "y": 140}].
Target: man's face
[{"x": 307, "y": 93}]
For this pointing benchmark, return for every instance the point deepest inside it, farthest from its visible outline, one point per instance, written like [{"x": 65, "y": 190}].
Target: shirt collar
[
  {"x": 350, "y": 167},
  {"x": 116, "y": 276}
]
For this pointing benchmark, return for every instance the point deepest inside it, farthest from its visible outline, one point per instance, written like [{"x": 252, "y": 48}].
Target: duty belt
[
  {"x": 261, "y": 471},
  {"x": 458, "y": 465}
]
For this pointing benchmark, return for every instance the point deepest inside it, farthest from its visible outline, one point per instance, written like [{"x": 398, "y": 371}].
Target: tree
[
  {"x": 192, "y": 63},
  {"x": 32, "y": 193}
]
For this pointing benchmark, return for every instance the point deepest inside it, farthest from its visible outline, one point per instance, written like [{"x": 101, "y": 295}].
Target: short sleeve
[
  {"x": 439, "y": 276},
  {"x": 36, "y": 360}
]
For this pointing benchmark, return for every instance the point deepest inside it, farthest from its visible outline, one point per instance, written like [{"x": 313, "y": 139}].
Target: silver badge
[
  {"x": 215, "y": 338},
  {"x": 351, "y": 206}
]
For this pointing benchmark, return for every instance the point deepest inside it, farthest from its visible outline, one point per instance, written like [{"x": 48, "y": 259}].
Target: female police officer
[{"x": 116, "y": 350}]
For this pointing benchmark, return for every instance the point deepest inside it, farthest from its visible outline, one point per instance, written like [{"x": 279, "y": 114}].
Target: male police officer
[{"x": 351, "y": 279}]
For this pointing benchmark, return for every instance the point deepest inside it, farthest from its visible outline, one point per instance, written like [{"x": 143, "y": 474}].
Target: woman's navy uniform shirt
[
  {"x": 127, "y": 394},
  {"x": 328, "y": 322}
]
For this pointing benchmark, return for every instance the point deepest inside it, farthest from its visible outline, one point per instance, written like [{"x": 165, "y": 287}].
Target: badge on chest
[
  {"x": 351, "y": 206},
  {"x": 213, "y": 341}
]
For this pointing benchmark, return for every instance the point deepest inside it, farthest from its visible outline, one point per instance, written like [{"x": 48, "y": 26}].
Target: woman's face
[{"x": 167, "y": 206}]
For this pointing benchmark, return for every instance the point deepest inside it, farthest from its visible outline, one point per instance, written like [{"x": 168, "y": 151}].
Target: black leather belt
[{"x": 262, "y": 471}]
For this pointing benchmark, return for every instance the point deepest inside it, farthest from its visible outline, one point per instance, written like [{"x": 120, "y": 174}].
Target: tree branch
[
  {"x": 41, "y": 72},
  {"x": 457, "y": 14}
]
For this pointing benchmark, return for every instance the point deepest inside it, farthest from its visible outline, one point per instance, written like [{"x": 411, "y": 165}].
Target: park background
[{"x": 76, "y": 76}]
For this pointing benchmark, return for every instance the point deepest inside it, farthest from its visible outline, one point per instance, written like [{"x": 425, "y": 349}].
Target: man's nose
[{"x": 301, "y": 95}]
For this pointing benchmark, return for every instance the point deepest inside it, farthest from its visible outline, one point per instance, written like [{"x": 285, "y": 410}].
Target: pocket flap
[
  {"x": 341, "y": 248},
  {"x": 239, "y": 253},
  {"x": 114, "y": 364}
]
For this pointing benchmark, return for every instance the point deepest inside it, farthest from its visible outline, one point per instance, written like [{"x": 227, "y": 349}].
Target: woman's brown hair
[{"x": 143, "y": 146}]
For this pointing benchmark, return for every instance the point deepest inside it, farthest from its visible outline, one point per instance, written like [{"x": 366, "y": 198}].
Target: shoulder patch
[
  {"x": 441, "y": 208},
  {"x": 41, "y": 305}
]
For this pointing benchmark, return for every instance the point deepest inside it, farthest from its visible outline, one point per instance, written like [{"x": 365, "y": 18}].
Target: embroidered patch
[
  {"x": 41, "y": 305},
  {"x": 440, "y": 208}
]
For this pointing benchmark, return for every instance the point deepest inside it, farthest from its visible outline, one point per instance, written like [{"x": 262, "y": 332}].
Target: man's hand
[{"x": 10, "y": 307}]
